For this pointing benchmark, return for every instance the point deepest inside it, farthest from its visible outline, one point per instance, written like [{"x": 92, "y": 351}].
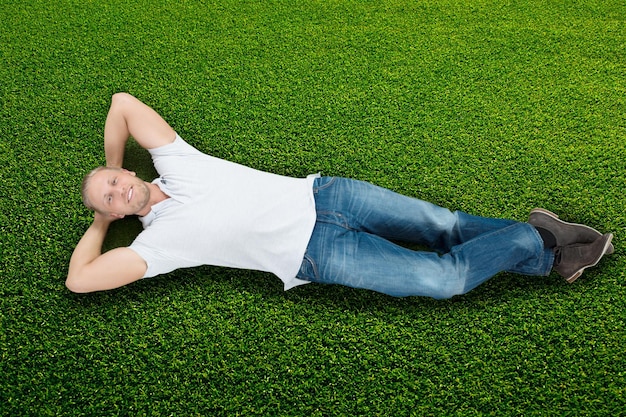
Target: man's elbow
[
  {"x": 76, "y": 285},
  {"x": 120, "y": 99}
]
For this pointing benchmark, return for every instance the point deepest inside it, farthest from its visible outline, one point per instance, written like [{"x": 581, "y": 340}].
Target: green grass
[{"x": 492, "y": 107}]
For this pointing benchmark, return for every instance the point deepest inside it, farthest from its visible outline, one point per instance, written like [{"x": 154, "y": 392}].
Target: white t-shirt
[{"x": 225, "y": 214}]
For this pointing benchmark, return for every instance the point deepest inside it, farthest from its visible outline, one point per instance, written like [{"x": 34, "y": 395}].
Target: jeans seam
[
  {"x": 543, "y": 253},
  {"x": 344, "y": 224}
]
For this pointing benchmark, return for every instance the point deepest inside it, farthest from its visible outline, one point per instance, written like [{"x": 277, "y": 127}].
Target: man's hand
[{"x": 104, "y": 219}]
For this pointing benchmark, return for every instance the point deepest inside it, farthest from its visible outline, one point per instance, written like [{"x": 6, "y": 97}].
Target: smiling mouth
[{"x": 130, "y": 194}]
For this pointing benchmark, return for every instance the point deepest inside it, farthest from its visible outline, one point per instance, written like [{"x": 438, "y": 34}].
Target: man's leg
[
  {"x": 340, "y": 255},
  {"x": 350, "y": 244}
]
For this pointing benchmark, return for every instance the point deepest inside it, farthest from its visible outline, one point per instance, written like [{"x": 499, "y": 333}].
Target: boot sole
[
  {"x": 578, "y": 273},
  {"x": 609, "y": 250}
]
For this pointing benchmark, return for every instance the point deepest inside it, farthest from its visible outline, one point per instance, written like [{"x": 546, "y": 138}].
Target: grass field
[{"x": 491, "y": 107}]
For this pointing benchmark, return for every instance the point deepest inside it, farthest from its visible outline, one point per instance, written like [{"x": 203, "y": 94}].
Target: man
[{"x": 207, "y": 211}]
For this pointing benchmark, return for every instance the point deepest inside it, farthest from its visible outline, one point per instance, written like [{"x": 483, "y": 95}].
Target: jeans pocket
[
  {"x": 308, "y": 269},
  {"x": 323, "y": 183}
]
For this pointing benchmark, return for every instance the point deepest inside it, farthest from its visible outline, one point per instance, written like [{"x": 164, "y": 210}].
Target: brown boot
[
  {"x": 565, "y": 233},
  {"x": 570, "y": 261}
]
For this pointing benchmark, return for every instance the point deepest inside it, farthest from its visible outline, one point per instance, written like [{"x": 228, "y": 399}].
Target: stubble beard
[{"x": 142, "y": 194}]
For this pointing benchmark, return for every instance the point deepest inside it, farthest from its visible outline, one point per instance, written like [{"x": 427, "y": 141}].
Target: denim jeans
[{"x": 357, "y": 224}]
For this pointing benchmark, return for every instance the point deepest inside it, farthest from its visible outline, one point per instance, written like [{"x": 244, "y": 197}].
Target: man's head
[{"x": 115, "y": 191}]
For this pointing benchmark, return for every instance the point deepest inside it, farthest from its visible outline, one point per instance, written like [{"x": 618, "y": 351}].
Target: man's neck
[{"x": 156, "y": 196}]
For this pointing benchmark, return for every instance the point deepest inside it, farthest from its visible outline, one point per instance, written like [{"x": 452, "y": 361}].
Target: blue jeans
[{"x": 357, "y": 223}]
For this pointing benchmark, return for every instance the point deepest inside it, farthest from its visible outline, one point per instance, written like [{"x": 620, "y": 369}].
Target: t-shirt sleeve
[
  {"x": 158, "y": 262},
  {"x": 176, "y": 148}
]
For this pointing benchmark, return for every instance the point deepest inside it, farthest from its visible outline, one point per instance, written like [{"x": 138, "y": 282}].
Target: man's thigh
[{"x": 337, "y": 255}]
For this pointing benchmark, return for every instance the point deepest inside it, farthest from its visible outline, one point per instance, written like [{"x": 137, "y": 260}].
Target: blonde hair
[{"x": 87, "y": 182}]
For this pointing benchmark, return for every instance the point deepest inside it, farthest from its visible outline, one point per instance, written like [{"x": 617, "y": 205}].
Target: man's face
[{"x": 118, "y": 192}]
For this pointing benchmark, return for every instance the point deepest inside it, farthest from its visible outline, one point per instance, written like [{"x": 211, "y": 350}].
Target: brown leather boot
[
  {"x": 564, "y": 232},
  {"x": 570, "y": 261}
]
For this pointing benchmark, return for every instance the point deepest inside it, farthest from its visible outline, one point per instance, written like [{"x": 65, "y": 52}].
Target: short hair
[{"x": 87, "y": 182}]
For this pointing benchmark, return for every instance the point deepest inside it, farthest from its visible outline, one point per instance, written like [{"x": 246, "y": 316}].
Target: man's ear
[
  {"x": 133, "y": 173},
  {"x": 117, "y": 216}
]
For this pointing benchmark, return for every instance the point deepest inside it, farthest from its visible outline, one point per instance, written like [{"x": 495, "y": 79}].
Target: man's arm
[
  {"x": 91, "y": 270},
  {"x": 130, "y": 117}
]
